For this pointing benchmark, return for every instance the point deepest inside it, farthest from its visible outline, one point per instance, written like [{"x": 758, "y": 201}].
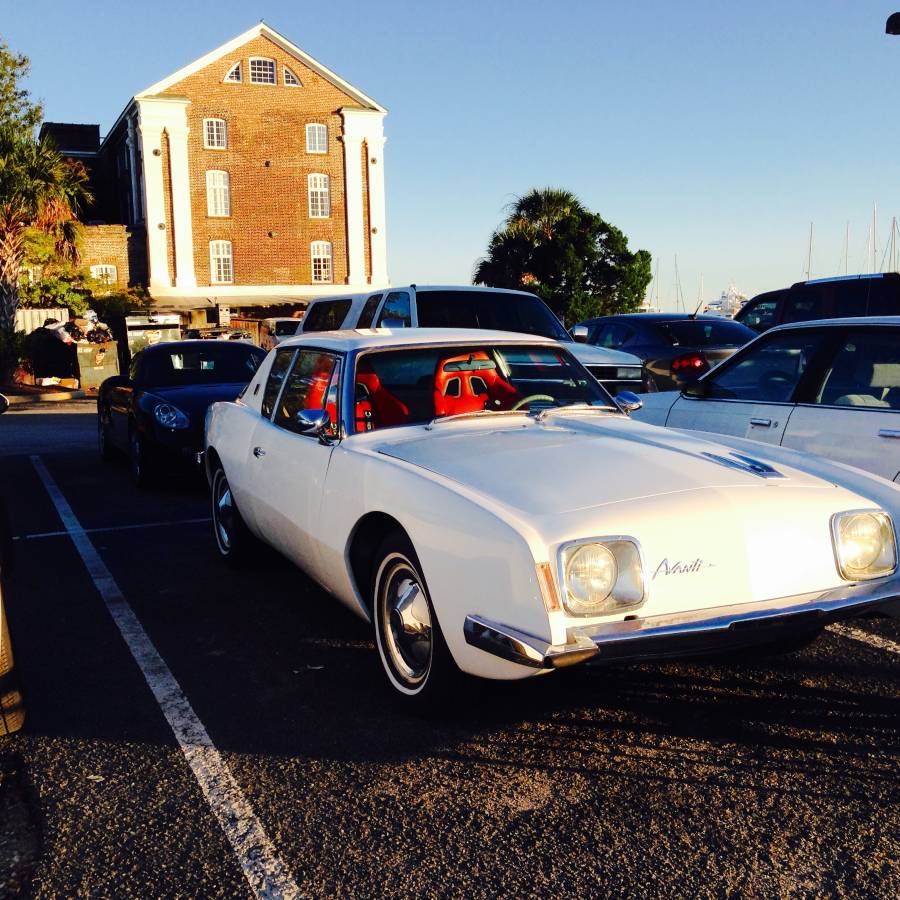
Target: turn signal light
[{"x": 548, "y": 587}]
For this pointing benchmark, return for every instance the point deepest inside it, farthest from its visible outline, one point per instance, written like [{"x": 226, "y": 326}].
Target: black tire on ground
[
  {"x": 104, "y": 447},
  {"x": 233, "y": 539},
  {"x": 411, "y": 646},
  {"x": 140, "y": 459},
  {"x": 777, "y": 646}
]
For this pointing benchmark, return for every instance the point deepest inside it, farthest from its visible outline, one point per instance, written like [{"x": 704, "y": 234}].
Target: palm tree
[{"x": 38, "y": 189}]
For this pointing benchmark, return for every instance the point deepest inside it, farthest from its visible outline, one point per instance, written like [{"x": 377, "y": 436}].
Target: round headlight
[
  {"x": 862, "y": 540},
  {"x": 591, "y": 574}
]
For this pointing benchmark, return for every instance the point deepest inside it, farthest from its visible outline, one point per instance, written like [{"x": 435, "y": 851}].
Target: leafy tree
[
  {"x": 39, "y": 190},
  {"x": 551, "y": 245},
  {"x": 16, "y": 106}
]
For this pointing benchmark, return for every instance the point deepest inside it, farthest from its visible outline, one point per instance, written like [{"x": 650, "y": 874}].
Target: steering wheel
[
  {"x": 775, "y": 384},
  {"x": 519, "y": 404}
]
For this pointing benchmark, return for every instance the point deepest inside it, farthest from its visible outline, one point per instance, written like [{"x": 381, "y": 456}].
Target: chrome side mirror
[
  {"x": 579, "y": 333},
  {"x": 4, "y": 403},
  {"x": 315, "y": 422},
  {"x": 628, "y": 402}
]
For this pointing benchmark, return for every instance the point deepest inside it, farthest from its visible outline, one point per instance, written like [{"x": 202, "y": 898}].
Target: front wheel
[
  {"x": 140, "y": 459},
  {"x": 413, "y": 652},
  {"x": 103, "y": 445}
]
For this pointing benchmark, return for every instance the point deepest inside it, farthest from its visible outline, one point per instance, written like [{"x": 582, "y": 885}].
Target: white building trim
[
  {"x": 262, "y": 30},
  {"x": 169, "y": 115}
]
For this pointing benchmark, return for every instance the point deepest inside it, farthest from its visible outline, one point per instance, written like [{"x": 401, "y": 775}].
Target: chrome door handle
[
  {"x": 889, "y": 433},
  {"x": 763, "y": 423},
  {"x": 258, "y": 452}
]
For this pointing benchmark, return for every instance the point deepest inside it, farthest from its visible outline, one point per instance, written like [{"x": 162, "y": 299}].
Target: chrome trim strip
[
  {"x": 889, "y": 433},
  {"x": 680, "y": 633}
]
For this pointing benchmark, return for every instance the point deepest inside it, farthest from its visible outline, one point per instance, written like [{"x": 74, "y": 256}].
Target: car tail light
[{"x": 690, "y": 364}]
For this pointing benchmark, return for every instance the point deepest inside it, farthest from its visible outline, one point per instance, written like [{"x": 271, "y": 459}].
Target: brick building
[{"x": 252, "y": 176}]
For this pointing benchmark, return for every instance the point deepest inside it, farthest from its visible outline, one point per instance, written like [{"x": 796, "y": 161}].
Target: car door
[
  {"x": 853, "y": 415},
  {"x": 752, "y": 394},
  {"x": 288, "y": 469}
]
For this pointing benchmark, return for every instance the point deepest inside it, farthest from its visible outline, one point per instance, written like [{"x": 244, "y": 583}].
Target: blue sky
[{"x": 712, "y": 130}]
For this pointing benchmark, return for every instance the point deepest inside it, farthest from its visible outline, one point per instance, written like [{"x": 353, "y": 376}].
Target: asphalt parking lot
[{"x": 751, "y": 776}]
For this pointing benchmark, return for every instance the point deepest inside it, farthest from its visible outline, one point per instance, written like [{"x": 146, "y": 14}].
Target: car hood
[
  {"x": 195, "y": 399},
  {"x": 589, "y": 355},
  {"x": 580, "y": 462}
]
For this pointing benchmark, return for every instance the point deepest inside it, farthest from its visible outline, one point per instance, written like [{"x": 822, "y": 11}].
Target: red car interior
[
  {"x": 376, "y": 406},
  {"x": 470, "y": 383}
]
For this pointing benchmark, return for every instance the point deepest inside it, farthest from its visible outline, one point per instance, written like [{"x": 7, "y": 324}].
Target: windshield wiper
[
  {"x": 475, "y": 414},
  {"x": 574, "y": 408}
]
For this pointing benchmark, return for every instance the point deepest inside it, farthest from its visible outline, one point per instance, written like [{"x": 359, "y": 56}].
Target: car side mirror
[
  {"x": 698, "y": 390},
  {"x": 579, "y": 333},
  {"x": 628, "y": 402},
  {"x": 315, "y": 422},
  {"x": 4, "y": 403},
  {"x": 392, "y": 323}
]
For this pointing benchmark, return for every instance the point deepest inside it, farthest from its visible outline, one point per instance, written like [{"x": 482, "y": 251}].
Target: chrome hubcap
[
  {"x": 223, "y": 510},
  {"x": 406, "y": 623}
]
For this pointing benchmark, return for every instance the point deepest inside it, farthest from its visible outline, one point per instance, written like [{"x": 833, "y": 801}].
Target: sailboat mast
[
  {"x": 809, "y": 251},
  {"x": 847, "y": 249},
  {"x": 874, "y": 237}
]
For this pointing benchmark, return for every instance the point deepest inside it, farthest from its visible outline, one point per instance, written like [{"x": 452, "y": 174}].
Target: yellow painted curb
[{"x": 12, "y": 709}]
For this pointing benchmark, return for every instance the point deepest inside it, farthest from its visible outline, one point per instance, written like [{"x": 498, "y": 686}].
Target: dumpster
[{"x": 96, "y": 363}]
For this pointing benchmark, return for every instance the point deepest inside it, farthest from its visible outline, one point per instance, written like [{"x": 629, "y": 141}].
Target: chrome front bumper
[{"x": 683, "y": 634}]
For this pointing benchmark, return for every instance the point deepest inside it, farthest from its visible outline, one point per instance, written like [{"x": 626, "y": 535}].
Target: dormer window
[
  {"x": 235, "y": 74},
  {"x": 290, "y": 79},
  {"x": 262, "y": 71}
]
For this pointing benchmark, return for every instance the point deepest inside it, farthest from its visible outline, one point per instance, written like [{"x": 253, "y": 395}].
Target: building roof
[
  {"x": 262, "y": 30},
  {"x": 368, "y": 338}
]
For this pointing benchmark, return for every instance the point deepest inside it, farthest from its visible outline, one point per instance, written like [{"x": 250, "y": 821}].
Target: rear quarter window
[{"x": 327, "y": 315}]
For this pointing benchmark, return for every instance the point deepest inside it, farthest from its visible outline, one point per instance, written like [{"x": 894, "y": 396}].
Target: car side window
[
  {"x": 277, "y": 374},
  {"x": 327, "y": 315},
  {"x": 368, "y": 311},
  {"x": 865, "y": 371},
  {"x": 804, "y": 305},
  {"x": 310, "y": 385},
  {"x": 769, "y": 372},
  {"x": 135, "y": 367},
  {"x": 396, "y": 306},
  {"x": 761, "y": 316},
  {"x": 613, "y": 335}
]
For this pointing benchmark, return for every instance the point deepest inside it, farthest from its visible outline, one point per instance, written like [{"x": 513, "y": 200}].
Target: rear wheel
[
  {"x": 410, "y": 643},
  {"x": 233, "y": 538}
]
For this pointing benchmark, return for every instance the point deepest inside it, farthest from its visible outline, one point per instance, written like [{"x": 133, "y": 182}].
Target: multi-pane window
[
  {"x": 235, "y": 74},
  {"x": 221, "y": 269},
  {"x": 218, "y": 193},
  {"x": 262, "y": 71},
  {"x": 215, "y": 134},
  {"x": 316, "y": 138},
  {"x": 290, "y": 79},
  {"x": 106, "y": 274},
  {"x": 319, "y": 196},
  {"x": 320, "y": 251}
]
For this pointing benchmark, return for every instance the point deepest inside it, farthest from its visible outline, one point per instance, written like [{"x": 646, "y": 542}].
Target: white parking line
[
  {"x": 64, "y": 533},
  {"x": 866, "y": 637},
  {"x": 266, "y": 874}
]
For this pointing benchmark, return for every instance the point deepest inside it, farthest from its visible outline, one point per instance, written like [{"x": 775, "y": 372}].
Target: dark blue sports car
[{"x": 157, "y": 412}]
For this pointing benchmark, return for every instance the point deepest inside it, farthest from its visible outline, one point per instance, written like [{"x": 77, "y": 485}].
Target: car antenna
[{"x": 693, "y": 315}]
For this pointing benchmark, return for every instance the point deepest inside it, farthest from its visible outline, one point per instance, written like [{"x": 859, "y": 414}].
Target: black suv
[{"x": 824, "y": 298}]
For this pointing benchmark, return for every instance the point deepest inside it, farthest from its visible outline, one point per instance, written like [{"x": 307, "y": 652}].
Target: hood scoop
[{"x": 744, "y": 464}]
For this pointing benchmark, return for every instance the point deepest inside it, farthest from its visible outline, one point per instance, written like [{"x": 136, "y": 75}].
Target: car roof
[
  {"x": 364, "y": 338},
  {"x": 198, "y": 343},
  {"x": 424, "y": 288},
  {"x": 848, "y": 320},
  {"x": 656, "y": 317}
]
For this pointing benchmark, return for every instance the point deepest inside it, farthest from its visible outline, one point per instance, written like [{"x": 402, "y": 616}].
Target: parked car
[
  {"x": 484, "y": 502},
  {"x": 675, "y": 348},
  {"x": 273, "y": 331},
  {"x": 418, "y": 306},
  {"x": 156, "y": 411},
  {"x": 830, "y": 388},
  {"x": 824, "y": 298}
]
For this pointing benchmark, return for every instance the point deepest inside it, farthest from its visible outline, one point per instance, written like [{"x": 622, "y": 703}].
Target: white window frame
[
  {"x": 318, "y": 189},
  {"x": 315, "y": 143},
  {"x": 221, "y": 251},
  {"x": 218, "y": 195},
  {"x": 206, "y": 134},
  {"x": 105, "y": 272},
  {"x": 262, "y": 59},
  {"x": 321, "y": 251},
  {"x": 285, "y": 72},
  {"x": 238, "y": 68}
]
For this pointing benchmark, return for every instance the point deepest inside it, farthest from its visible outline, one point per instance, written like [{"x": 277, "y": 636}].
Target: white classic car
[
  {"x": 830, "y": 387},
  {"x": 483, "y": 502}
]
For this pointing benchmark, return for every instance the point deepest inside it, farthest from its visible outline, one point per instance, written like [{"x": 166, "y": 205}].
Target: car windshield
[
  {"x": 209, "y": 363},
  {"x": 489, "y": 309},
  {"x": 409, "y": 387},
  {"x": 703, "y": 333}
]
